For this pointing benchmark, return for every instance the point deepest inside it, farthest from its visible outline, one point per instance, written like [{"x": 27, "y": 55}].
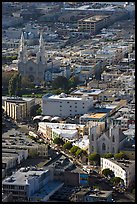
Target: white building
[
  {"x": 68, "y": 132},
  {"x": 121, "y": 168},
  {"x": 64, "y": 106}
]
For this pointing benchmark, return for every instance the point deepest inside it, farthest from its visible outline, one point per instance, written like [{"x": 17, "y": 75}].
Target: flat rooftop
[
  {"x": 101, "y": 194},
  {"x": 94, "y": 116},
  {"x": 124, "y": 164},
  {"x": 21, "y": 176},
  {"x": 20, "y": 99},
  {"x": 92, "y": 92},
  {"x": 49, "y": 189},
  {"x": 62, "y": 125},
  {"x": 95, "y": 18}
]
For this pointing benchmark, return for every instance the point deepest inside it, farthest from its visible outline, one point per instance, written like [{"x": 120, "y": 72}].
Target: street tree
[
  {"x": 108, "y": 172},
  {"x": 67, "y": 145},
  {"x": 108, "y": 155},
  {"x": 94, "y": 158},
  {"x": 58, "y": 141},
  {"x": 120, "y": 155},
  {"x": 116, "y": 180},
  {"x": 74, "y": 149}
]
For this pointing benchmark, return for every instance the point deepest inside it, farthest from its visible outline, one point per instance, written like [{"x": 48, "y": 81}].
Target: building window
[
  {"x": 67, "y": 101},
  {"x": 103, "y": 146},
  {"x": 75, "y": 106},
  {"x": 70, "y": 106},
  {"x": 113, "y": 150},
  {"x": 60, "y": 106},
  {"x": 113, "y": 138},
  {"x": 92, "y": 148},
  {"x": 92, "y": 137}
]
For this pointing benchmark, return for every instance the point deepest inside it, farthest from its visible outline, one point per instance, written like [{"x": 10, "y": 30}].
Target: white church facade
[
  {"x": 106, "y": 141},
  {"x": 37, "y": 69}
]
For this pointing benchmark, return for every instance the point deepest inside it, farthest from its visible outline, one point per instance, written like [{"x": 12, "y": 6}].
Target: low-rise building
[
  {"x": 31, "y": 184},
  {"x": 125, "y": 169},
  {"x": 68, "y": 132},
  {"x": 95, "y": 93},
  {"x": 95, "y": 117},
  {"x": 85, "y": 195}
]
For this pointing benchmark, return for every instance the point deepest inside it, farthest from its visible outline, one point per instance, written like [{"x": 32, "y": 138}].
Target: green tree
[
  {"x": 58, "y": 141},
  {"x": 73, "y": 81},
  {"x": 94, "y": 158},
  {"x": 120, "y": 155},
  {"x": 79, "y": 152},
  {"x": 74, "y": 149},
  {"x": 67, "y": 145},
  {"x": 108, "y": 173},
  {"x": 6, "y": 76},
  {"x": 116, "y": 180},
  {"x": 60, "y": 82},
  {"x": 26, "y": 82},
  {"x": 14, "y": 85},
  {"x": 108, "y": 155}
]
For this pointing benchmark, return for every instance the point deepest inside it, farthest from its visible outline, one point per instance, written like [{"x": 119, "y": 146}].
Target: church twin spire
[
  {"x": 41, "y": 53},
  {"x": 23, "y": 56}
]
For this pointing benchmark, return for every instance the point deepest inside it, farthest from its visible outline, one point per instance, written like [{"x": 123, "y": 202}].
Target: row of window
[{"x": 69, "y": 102}]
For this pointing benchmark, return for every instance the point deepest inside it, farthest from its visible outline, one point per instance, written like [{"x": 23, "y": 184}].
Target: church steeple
[
  {"x": 41, "y": 53},
  {"x": 22, "y": 55}
]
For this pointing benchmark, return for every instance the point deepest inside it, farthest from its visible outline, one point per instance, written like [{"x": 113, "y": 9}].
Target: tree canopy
[
  {"x": 116, "y": 180},
  {"x": 120, "y": 155},
  {"x": 67, "y": 145},
  {"x": 58, "y": 140},
  {"x": 107, "y": 172},
  {"x": 60, "y": 82},
  {"x": 108, "y": 155},
  {"x": 74, "y": 149},
  {"x": 14, "y": 85},
  {"x": 95, "y": 158}
]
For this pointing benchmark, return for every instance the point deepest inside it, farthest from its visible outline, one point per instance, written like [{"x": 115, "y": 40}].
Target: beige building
[
  {"x": 92, "y": 24},
  {"x": 18, "y": 108}
]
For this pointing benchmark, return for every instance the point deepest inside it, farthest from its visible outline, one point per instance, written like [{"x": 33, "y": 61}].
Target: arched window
[
  {"x": 103, "y": 146},
  {"x": 113, "y": 138},
  {"x": 92, "y": 137}
]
